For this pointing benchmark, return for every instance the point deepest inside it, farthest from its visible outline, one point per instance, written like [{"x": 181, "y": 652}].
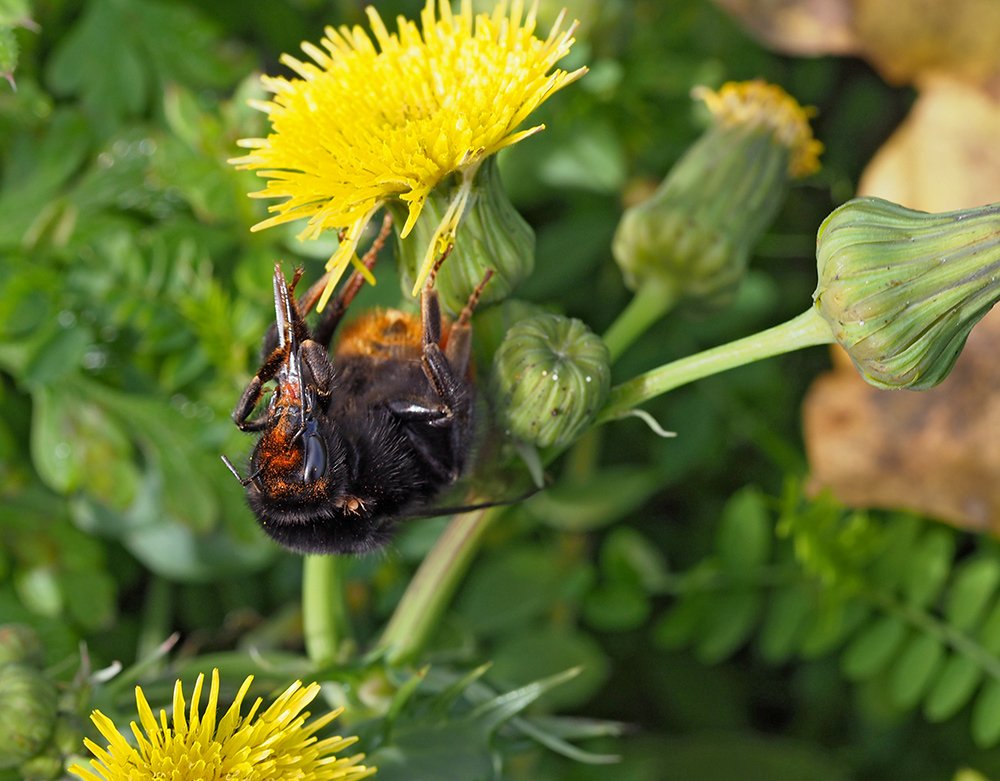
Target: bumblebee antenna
[{"x": 244, "y": 481}]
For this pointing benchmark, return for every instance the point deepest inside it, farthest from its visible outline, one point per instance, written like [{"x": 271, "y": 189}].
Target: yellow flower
[
  {"x": 275, "y": 744},
  {"x": 364, "y": 124},
  {"x": 759, "y": 104}
]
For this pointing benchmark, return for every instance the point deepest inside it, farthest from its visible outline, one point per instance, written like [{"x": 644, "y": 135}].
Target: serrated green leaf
[
  {"x": 953, "y": 688},
  {"x": 745, "y": 532},
  {"x": 986, "y": 715},
  {"x": 929, "y": 567},
  {"x": 784, "y": 622},
  {"x": 872, "y": 648},
  {"x": 914, "y": 670},
  {"x": 729, "y": 623},
  {"x": 972, "y": 590}
]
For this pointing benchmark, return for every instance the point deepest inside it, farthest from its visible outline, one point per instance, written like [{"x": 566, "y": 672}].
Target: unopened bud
[
  {"x": 551, "y": 375},
  {"x": 901, "y": 289},
  {"x": 491, "y": 235},
  {"x": 20, "y": 643},
  {"x": 28, "y": 708},
  {"x": 693, "y": 237}
]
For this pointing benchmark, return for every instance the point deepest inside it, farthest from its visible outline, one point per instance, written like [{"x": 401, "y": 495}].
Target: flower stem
[
  {"x": 433, "y": 585},
  {"x": 806, "y": 330},
  {"x": 324, "y": 612},
  {"x": 649, "y": 304}
]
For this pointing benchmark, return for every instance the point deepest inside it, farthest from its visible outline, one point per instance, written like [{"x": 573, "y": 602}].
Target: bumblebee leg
[
  {"x": 315, "y": 359},
  {"x": 245, "y": 405},
  {"x": 460, "y": 337},
  {"x": 325, "y": 328},
  {"x": 409, "y": 412}
]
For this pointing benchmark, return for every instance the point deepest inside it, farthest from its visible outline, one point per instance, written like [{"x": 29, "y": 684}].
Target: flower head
[
  {"x": 760, "y": 104},
  {"x": 693, "y": 237},
  {"x": 274, "y": 744},
  {"x": 366, "y": 122}
]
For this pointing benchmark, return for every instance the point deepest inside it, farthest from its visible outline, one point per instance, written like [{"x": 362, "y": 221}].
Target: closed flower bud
[
  {"x": 693, "y": 237},
  {"x": 28, "y": 704},
  {"x": 491, "y": 235},
  {"x": 551, "y": 375},
  {"x": 901, "y": 289},
  {"x": 20, "y": 643}
]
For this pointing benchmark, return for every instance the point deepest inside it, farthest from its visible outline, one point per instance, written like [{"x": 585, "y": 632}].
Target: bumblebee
[{"x": 351, "y": 442}]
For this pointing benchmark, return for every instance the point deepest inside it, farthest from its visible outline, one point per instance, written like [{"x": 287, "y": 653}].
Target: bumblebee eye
[{"x": 315, "y": 458}]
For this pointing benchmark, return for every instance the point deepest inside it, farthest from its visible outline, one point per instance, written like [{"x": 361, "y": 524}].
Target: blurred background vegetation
[{"x": 736, "y": 626}]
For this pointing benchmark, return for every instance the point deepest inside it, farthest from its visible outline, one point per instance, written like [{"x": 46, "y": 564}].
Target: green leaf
[
  {"x": 986, "y": 715},
  {"x": 785, "y": 620},
  {"x": 506, "y": 591},
  {"x": 872, "y": 648},
  {"x": 600, "y": 500},
  {"x": 548, "y": 650},
  {"x": 679, "y": 626},
  {"x": 832, "y": 622},
  {"x": 616, "y": 607},
  {"x": 953, "y": 688},
  {"x": 989, "y": 633},
  {"x": 58, "y": 356},
  {"x": 914, "y": 670},
  {"x": 728, "y": 625},
  {"x": 929, "y": 567},
  {"x": 972, "y": 589},
  {"x": 630, "y": 559},
  {"x": 745, "y": 532},
  {"x": 112, "y": 86},
  {"x": 493, "y": 713}
]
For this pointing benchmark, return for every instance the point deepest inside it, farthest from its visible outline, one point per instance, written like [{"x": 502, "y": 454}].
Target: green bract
[
  {"x": 28, "y": 703},
  {"x": 551, "y": 375},
  {"x": 901, "y": 289},
  {"x": 492, "y": 235},
  {"x": 19, "y": 643}
]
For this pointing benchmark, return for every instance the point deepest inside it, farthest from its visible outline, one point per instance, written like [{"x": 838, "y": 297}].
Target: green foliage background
[{"x": 738, "y": 628}]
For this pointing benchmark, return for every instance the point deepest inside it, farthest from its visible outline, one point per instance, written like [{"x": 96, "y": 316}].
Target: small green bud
[
  {"x": 20, "y": 643},
  {"x": 551, "y": 376},
  {"x": 694, "y": 236},
  {"x": 901, "y": 289},
  {"x": 28, "y": 705},
  {"x": 491, "y": 235}
]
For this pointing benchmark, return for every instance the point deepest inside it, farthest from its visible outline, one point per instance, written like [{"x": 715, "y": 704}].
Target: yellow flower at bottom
[
  {"x": 275, "y": 744},
  {"x": 364, "y": 124}
]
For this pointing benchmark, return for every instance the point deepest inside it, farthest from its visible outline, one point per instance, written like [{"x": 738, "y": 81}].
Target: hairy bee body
[{"x": 350, "y": 442}]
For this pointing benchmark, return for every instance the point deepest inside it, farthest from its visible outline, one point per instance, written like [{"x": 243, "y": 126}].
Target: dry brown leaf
[
  {"x": 798, "y": 27},
  {"x": 937, "y": 451},
  {"x": 906, "y": 40}
]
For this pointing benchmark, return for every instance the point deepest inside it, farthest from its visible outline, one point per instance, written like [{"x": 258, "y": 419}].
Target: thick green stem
[
  {"x": 649, "y": 304},
  {"x": 324, "y": 612},
  {"x": 806, "y": 330},
  {"x": 433, "y": 585}
]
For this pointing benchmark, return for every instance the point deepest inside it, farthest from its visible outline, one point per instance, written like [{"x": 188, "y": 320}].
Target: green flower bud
[
  {"x": 551, "y": 376},
  {"x": 693, "y": 237},
  {"x": 28, "y": 704},
  {"x": 20, "y": 643},
  {"x": 901, "y": 289},
  {"x": 491, "y": 235}
]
